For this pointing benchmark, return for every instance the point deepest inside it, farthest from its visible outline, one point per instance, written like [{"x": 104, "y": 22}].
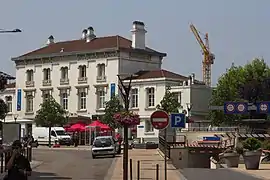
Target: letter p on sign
[{"x": 178, "y": 120}]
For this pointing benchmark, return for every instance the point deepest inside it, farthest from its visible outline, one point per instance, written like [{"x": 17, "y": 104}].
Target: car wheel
[
  {"x": 113, "y": 156},
  {"x": 93, "y": 156}
]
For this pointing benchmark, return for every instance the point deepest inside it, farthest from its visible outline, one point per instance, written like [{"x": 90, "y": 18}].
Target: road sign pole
[
  {"x": 165, "y": 154},
  {"x": 160, "y": 121}
]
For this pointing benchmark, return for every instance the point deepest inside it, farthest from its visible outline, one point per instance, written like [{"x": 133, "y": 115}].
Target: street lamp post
[
  {"x": 10, "y": 31},
  {"x": 125, "y": 91},
  {"x": 15, "y": 117},
  {"x": 67, "y": 116}
]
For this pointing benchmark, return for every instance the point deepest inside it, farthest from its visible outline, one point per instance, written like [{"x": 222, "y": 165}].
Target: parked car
[{"x": 104, "y": 146}]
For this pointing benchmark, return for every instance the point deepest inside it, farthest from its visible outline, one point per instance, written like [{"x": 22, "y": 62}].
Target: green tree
[
  {"x": 112, "y": 106},
  {"x": 233, "y": 86},
  {"x": 50, "y": 114},
  {"x": 3, "y": 109},
  {"x": 169, "y": 103}
]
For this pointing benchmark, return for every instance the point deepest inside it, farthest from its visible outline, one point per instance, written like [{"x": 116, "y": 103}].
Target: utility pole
[{"x": 125, "y": 91}]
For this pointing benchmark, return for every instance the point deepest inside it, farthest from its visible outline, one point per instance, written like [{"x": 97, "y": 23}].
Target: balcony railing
[
  {"x": 82, "y": 80},
  {"x": 47, "y": 82},
  {"x": 64, "y": 81},
  {"x": 101, "y": 78},
  {"x": 29, "y": 83}
]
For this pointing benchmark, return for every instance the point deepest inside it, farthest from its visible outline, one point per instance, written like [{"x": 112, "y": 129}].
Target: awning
[{"x": 18, "y": 121}]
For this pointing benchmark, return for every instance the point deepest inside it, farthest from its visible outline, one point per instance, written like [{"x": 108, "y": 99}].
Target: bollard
[
  {"x": 138, "y": 170},
  {"x": 157, "y": 172},
  {"x": 130, "y": 168},
  {"x": 29, "y": 155},
  {"x": 2, "y": 162}
]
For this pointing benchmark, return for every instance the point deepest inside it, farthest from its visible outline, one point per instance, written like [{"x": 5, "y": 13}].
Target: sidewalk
[
  {"x": 148, "y": 160},
  {"x": 263, "y": 172},
  {"x": 82, "y": 148},
  {"x": 33, "y": 164}
]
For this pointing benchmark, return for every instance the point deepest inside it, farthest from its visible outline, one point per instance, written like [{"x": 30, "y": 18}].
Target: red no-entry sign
[{"x": 159, "y": 119}]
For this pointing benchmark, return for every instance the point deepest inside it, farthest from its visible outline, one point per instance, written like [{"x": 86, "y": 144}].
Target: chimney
[
  {"x": 84, "y": 34},
  {"x": 50, "y": 40},
  {"x": 192, "y": 78},
  {"x": 138, "y": 35},
  {"x": 90, "y": 34}
]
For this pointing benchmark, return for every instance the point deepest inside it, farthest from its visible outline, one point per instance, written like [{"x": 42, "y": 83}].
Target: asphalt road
[
  {"x": 215, "y": 174},
  {"x": 69, "y": 164}
]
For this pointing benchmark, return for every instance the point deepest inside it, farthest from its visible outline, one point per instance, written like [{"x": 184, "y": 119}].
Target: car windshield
[
  {"x": 103, "y": 142},
  {"x": 61, "y": 133}
]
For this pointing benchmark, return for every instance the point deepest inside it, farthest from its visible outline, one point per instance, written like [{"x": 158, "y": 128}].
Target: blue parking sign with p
[{"x": 178, "y": 120}]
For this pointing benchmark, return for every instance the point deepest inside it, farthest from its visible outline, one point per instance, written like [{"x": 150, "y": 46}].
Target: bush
[
  {"x": 266, "y": 145},
  {"x": 252, "y": 144}
]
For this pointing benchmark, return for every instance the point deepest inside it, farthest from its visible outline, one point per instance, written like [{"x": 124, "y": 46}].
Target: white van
[{"x": 41, "y": 134}]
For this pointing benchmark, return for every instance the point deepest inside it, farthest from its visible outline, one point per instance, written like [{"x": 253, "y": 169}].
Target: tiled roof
[
  {"x": 99, "y": 43},
  {"x": 161, "y": 73}
]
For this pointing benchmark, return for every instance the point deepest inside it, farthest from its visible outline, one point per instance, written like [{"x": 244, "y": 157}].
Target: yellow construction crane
[{"x": 208, "y": 56}]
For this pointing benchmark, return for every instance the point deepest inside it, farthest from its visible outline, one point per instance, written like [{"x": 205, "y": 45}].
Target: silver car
[{"x": 103, "y": 146}]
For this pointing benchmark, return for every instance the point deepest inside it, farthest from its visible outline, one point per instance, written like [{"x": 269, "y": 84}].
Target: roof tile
[
  {"x": 161, "y": 73},
  {"x": 81, "y": 45}
]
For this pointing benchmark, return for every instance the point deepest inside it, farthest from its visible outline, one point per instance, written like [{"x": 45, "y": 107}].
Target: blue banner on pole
[
  {"x": 19, "y": 100},
  {"x": 112, "y": 89}
]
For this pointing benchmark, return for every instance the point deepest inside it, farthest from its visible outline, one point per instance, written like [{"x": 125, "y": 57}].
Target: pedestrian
[
  {"x": 18, "y": 166},
  {"x": 76, "y": 139}
]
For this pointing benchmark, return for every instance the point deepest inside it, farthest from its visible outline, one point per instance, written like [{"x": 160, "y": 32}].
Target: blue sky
[{"x": 238, "y": 30}]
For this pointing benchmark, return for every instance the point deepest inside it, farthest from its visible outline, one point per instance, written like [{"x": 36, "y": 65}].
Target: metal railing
[
  {"x": 7, "y": 152},
  {"x": 211, "y": 129},
  {"x": 164, "y": 147}
]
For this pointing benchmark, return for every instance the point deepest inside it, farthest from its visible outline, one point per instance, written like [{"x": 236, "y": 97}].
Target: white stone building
[
  {"x": 82, "y": 74},
  {"x": 148, "y": 89}
]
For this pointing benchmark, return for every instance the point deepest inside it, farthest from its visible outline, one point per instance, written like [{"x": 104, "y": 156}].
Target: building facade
[
  {"x": 82, "y": 75},
  {"x": 148, "y": 89}
]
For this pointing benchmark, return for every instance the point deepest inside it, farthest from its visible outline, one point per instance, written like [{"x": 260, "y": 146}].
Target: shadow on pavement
[
  {"x": 214, "y": 174},
  {"x": 46, "y": 176}
]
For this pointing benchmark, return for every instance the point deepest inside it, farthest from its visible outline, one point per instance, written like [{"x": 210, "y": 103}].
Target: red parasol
[
  {"x": 76, "y": 127},
  {"x": 97, "y": 123}
]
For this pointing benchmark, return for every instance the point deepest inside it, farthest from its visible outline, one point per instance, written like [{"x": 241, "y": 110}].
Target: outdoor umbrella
[{"x": 77, "y": 127}]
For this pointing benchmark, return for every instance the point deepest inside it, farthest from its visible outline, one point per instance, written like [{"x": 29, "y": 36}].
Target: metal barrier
[
  {"x": 211, "y": 129},
  {"x": 164, "y": 149},
  {"x": 7, "y": 152}
]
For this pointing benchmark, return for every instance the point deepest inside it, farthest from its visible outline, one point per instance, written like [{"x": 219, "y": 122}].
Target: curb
[
  {"x": 111, "y": 169},
  {"x": 67, "y": 149},
  {"x": 37, "y": 163}
]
